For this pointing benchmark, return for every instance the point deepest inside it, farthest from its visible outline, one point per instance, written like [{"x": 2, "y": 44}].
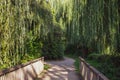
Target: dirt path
[{"x": 61, "y": 70}]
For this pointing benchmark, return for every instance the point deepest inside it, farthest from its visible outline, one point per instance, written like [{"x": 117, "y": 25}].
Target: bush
[
  {"x": 95, "y": 56},
  {"x": 53, "y": 50},
  {"x": 73, "y": 49},
  {"x": 107, "y": 64},
  {"x": 115, "y": 60},
  {"x": 79, "y": 50}
]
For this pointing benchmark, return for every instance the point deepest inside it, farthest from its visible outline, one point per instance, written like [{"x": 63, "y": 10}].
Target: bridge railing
[
  {"x": 90, "y": 73},
  {"x": 28, "y": 71}
]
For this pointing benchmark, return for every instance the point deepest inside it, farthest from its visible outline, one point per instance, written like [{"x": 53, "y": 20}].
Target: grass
[{"x": 46, "y": 66}]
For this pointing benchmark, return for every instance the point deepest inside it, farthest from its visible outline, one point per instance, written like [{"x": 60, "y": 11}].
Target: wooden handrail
[
  {"x": 93, "y": 70},
  {"x": 5, "y": 71}
]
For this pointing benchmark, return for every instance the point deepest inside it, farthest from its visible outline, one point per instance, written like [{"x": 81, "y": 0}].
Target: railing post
[{"x": 90, "y": 73}]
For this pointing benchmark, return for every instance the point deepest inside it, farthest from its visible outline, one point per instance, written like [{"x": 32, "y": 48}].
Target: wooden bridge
[{"x": 60, "y": 70}]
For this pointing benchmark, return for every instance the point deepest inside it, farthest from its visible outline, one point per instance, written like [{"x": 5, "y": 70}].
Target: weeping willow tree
[
  {"x": 95, "y": 25},
  {"x": 92, "y": 24},
  {"x": 28, "y": 26},
  {"x": 24, "y": 26},
  {"x": 101, "y": 24},
  {"x": 13, "y": 31}
]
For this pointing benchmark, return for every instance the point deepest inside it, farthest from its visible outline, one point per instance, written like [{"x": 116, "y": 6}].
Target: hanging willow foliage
[
  {"x": 90, "y": 23},
  {"x": 94, "y": 24},
  {"x": 22, "y": 25}
]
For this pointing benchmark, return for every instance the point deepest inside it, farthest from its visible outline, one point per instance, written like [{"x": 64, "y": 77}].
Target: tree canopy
[{"x": 34, "y": 28}]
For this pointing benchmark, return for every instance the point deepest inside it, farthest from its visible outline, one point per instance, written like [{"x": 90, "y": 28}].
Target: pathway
[{"x": 61, "y": 70}]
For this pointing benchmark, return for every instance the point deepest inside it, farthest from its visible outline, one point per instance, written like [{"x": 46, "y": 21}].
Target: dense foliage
[
  {"x": 108, "y": 65},
  {"x": 25, "y": 28},
  {"x": 33, "y": 28},
  {"x": 90, "y": 25},
  {"x": 95, "y": 26}
]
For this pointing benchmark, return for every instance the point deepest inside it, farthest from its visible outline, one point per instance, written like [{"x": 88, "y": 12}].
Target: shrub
[
  {"x": 53, "y": 50},
  {"x": 107, "y": 64}
]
